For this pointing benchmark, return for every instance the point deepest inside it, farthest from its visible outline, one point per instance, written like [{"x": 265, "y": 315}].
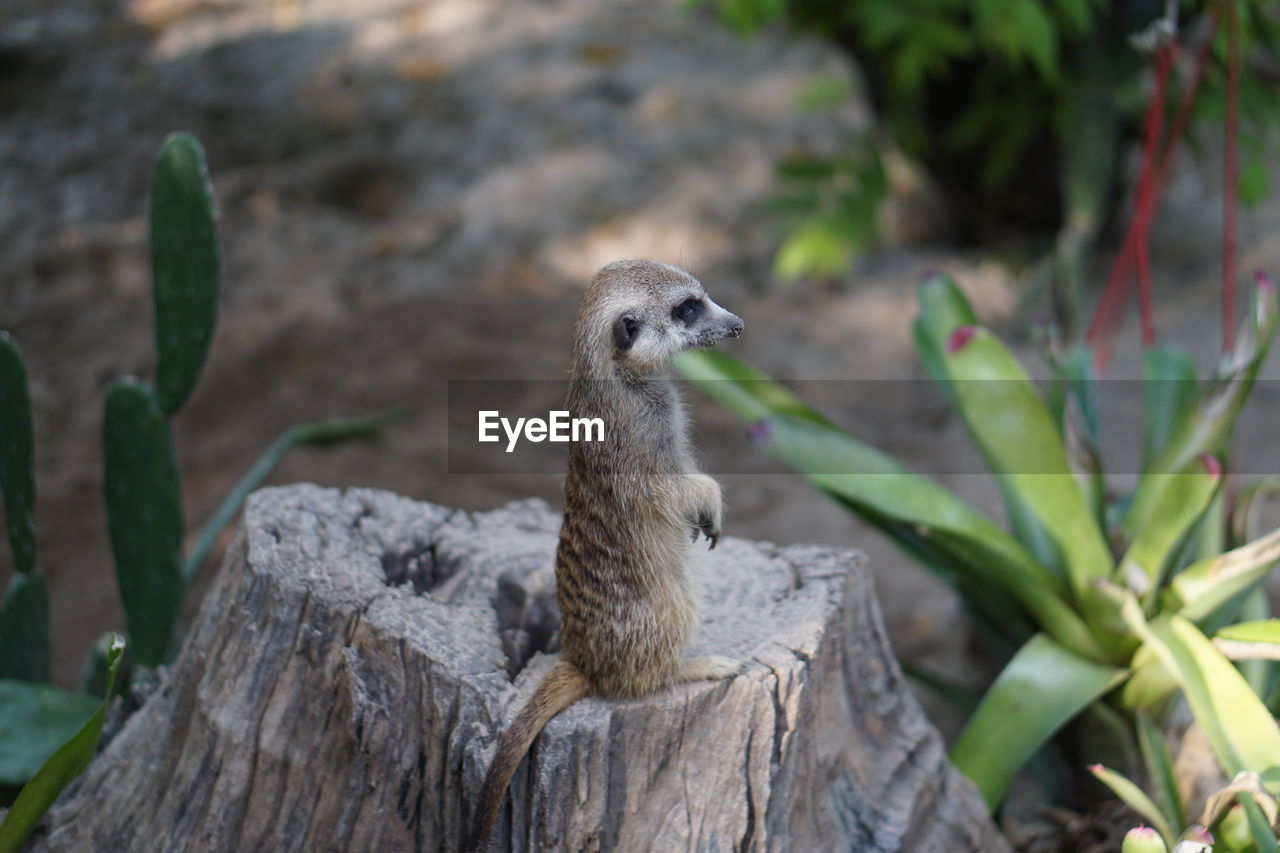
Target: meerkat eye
[{"x": 687, "y": 311}]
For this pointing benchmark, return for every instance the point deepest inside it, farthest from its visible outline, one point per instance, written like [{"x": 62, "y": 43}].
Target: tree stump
[{"x": 359, "y": 653}]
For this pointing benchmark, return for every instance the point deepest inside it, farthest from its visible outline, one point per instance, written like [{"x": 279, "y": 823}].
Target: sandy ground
[{"x": 418, "y": 192}]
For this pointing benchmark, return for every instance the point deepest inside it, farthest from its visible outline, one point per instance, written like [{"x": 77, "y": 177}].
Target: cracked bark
[{"x": 347, "y": 677}]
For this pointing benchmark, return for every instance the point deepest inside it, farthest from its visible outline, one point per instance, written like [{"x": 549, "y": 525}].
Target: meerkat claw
[{"x": 708, "y": 528}]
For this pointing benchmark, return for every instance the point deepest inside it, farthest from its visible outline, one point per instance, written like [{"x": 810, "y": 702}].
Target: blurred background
[{"x": 413, "y": 192}]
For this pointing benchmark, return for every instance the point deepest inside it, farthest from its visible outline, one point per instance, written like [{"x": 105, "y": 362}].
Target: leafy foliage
[
  {"x": 68, "y": 762},
  {"x": 1111, "y": 600},
  {"x": 828, "y": 208},
  {"x": 1021, "y": 102}
]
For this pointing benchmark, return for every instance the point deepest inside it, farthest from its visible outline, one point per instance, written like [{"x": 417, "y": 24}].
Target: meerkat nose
[{"x": 735, "y": 326}]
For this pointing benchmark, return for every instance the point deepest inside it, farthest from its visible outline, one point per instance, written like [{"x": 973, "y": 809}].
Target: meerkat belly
[{"x": 625, "y": 624}]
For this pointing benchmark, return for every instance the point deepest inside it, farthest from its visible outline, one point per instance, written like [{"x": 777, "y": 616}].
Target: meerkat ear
[{"x": 625, "y": 331}]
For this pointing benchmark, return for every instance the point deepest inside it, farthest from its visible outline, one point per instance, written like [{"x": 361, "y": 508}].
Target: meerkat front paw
[{"x": 707, "y": 509}]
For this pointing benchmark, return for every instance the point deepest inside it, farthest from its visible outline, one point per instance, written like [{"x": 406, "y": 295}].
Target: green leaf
[
  {"x": 1264, "y": 837},
  {"x": 887, "y": 494},
  {"x": 322, "y": 433},
  {"x": 1179, "y": 507},
  {"x": 1206, "y": 585},
  {"x": 805, "y": 170},
  {"x": 1073, "y": 401},
  {"x": 1262, "y": 631},
  {"x": 24, "y": 629},
  {"x": 747, "y": 17},
  {"x": 1168, "y": 389},
  {"x": 1150, "y": 684},
  {"x": 1039, "y": 691},
  {"x": 185, "y": 267},
  {"x": 1252, "y": 181},
  {"x": 1077, "y": 15},
  {"x": 1133, "y": 797},
  {"x": 37, "y": 719},
  {"x": 1038, "y": 36},
  {"x": 17, "y": 468},
  {"x": 1208, "y": 536},
  {"x": 1227, "y": 809},
  {"x": 921, "y": 516},
  {"x": 825, "y": 91},
  {"x": 58, "y": 771},
  {"x": 822, "y": 247},
  {"x": 1258, "y": 640},
  {"x": 1208, "y": 425},
  {"x": 1074, "y": 371},
  {"x": 95, "y": 672},
  {"x": 1256, "y": 668},
  {"x": 1242, "y": 732},
  {"x": 942, "y": 37},
  {"x": 1016, "y": 434},
  {"x": 739, "y": 387},
  {"x": 144, "y": 517},
  {"x": 1159, "y": 764},
  {"x": 1231, "y": 833},
  {"x": 943, "y": 309}
]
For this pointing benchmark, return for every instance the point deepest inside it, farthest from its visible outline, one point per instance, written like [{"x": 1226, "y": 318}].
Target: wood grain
[{"x": 348, "y": 675}]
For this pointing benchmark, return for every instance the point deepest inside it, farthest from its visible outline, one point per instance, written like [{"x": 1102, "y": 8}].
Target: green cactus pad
[
  {"x": 17, "y": 471},
  {"x": 144, "y": 516},
  {"x": 185, "y": 267},
  {"x": 24, "y": 629}
]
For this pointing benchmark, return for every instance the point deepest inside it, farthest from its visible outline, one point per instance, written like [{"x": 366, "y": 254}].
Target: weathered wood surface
[{"x": 351, "y": 668}]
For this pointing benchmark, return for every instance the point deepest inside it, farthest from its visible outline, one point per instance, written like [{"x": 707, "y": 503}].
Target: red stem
[
  {"x": 1106, "y": 319},
  {"x": 1147, "y": 193},
  {"x": 1231, "y": 169}
]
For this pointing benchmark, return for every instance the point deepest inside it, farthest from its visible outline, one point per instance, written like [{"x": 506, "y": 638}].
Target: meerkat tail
[{"x": 563, "y": 686}]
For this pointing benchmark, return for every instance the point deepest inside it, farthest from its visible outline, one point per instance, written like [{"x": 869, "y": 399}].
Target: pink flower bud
[
  {"x": 1263, "y": 281},
  {"x": 1143, "y": 839},
  {"x": 1211, "y": 465},
  {"x": 959, "y": 338}
]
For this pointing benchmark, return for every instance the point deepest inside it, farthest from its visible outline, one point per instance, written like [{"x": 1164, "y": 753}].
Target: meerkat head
[{"x": 645, "y": 312}]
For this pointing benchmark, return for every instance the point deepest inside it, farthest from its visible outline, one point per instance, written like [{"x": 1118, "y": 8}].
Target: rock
[{"x": 349, "y": 672}]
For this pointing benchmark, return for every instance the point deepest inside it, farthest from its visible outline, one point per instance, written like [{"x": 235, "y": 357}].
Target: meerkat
[{"x": 634, "y": 505}]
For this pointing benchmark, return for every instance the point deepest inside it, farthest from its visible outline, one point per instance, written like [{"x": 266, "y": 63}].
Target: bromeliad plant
[
  {"x": 1107, "y": 602},
  {"x": 141, "y": 484},
  {"x": 1242, "y": 815}
]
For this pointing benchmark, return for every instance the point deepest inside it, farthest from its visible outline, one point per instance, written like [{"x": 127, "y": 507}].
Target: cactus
[
  {"x": 144, "y": 515},
  {"x": 185, "y": 265},
  {"x": 24, "y": 629},
  {"x": 17, "y": 471},
  {"x": 24, "y": 614},
  {"x": 142, "y": 490}
]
